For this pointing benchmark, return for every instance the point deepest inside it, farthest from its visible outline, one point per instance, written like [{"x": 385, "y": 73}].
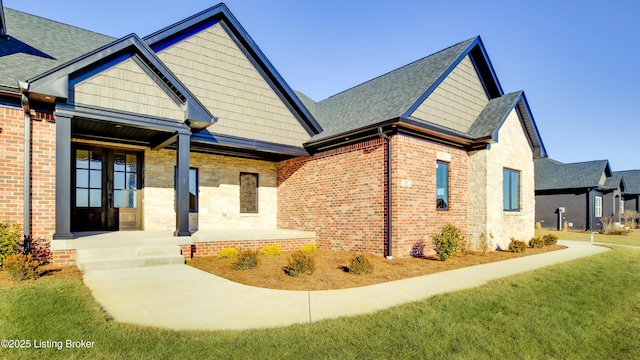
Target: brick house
[{"x": 191, "y": 130}]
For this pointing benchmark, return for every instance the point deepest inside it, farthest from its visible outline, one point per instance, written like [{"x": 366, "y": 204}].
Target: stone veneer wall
[
  {"x": 414, "y": 215},
  {"x": 219, "y": 194},
  {"x": 486, "y": 212},
  {"x": 339, "y": 194},
  {"x": 43, "y": 164}
]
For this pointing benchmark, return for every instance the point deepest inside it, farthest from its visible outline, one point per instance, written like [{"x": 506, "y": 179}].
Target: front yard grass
[
  {"x": 584, "y": 309},
  {"x": 631, "y": 239}
]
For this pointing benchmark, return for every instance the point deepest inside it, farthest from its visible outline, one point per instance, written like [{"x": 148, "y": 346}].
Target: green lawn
[
  {"x": 632, "y": 238},
  {"x": 585, "y": 309}
]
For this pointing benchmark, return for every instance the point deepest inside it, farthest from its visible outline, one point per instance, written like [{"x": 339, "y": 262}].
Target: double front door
[{"x": 106, "y": 189}]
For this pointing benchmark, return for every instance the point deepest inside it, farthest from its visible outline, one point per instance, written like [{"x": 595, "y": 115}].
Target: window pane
[
  {"x": 119, "y": 163},
  {"x": 82, "y": 197},
  {"x": 95, "y": 179},
  {"x": 193, "y": 190},
  {"x": 131, "y": 199},
  {"x": 82, "y": 178},
  {"x": 118, "y": 199},
  {"x": 442, "y": 185},
  {"x": 248, "y": 193},
  {"x": 131, "y": 181},
  {"x": 95, "y": 198},
  {"x": 515, "y": 190},
  {"x": 82, "y": 159},
  {"x": 118, "y": 180},
  {"x": 96, "y": 161},
  {"x": 131, "y": 162}
]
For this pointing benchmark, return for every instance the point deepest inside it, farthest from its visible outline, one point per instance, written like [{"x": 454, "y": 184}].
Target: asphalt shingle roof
[
  {"x": 554, "y": 175},
  {"x": 36, "y": 44},
  {"x": 386, "y": 97},
  {"x": 631, "y": 180},
  {"x": 493, "y": 114}
]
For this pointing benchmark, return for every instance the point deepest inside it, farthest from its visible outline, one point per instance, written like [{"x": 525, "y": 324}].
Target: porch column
[
  {"x": 182, "y": 186},
  {"x": 63, "y": 178}
]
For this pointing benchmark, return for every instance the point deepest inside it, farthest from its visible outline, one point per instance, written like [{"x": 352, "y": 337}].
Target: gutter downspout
[
  {"x": 389, "y": 233},
  {"x": 27, "y": 173}
]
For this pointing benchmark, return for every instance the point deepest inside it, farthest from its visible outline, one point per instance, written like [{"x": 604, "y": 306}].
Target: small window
[
  {"x": 510, "y": 190},
  {"x": 442, "y": 185},
  {"x": 597, "y": 208},
  {"x": 248, "y": 193},
  {"x": 193, "y": 188}
]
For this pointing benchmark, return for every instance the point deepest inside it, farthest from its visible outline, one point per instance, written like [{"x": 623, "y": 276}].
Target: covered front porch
[{"x": 122, "y": 249}]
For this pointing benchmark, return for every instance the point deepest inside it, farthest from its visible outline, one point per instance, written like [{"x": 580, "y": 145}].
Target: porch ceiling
[{"x": 100, "y": 130}]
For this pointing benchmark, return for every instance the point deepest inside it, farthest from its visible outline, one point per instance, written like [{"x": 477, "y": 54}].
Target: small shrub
[
  {"x": 41, "y": 251},
  {"x": 21, "y": 267},
  {"x": 447, "y": 242},
  {"x": 300, "y": 263},
  {"x": 309, "y": 249},
  {"x": 228, "y": 254},
  {"x": 360, "y": 264},
  {"x": 486, "y": 242},
  {"x": 536, "y": 243},
  {"x": 247, "y": 259},
  {"x": 550, "y": 239},
  {"x": 271, "y": 250},
  {"x": 616, "y": 232},
  {"x": 417, "y": 250},
  {"x": 10, "y": 239},
  {"x": 517, "y": 246},
  {"x": 464, "y": 244}
]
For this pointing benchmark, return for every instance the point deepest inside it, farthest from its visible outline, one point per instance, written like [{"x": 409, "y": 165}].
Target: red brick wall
[
  {"x": 339, "y": 194},
  {"x": 414, "y": 216},
  {"x": 42, "y": 170}
]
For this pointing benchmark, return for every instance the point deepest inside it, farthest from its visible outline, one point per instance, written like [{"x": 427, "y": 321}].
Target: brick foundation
[
  {"x": 213, "y": 248},
  {"x": 64, "y": 257}
]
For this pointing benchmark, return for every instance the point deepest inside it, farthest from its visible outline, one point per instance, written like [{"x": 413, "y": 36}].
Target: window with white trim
[{"x": 597, "y": 206}]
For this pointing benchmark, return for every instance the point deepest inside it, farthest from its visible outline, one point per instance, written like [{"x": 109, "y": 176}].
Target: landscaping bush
[
  {"x": 300, "y": 263},
  {"x": 536, "y": 243},
  {"x": 10, "y": 239},
  {"x": 517, "y": 246},
  {"x": 309, "y": 249},
  {"x": 271, "y": 250},
  {"x": 550, "y": 239},
  {"x": 486, "y": 242},
  {"x": 228, "y": 254},
  {"x": 41, "y": 251},
  {"x": 616, "y": 232},
  {"x": 21, "y": 267},
  {"x": 447, "y": 242},
  {"x": 417, "y": 250},
  {"x": 247, "y": 259},
  {"x": 360, "y": 264}
]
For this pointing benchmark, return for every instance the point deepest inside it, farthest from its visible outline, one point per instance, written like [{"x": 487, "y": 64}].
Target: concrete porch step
[
  {"x": 115, "y": 252},
  {"x": 129, "y": 262}
]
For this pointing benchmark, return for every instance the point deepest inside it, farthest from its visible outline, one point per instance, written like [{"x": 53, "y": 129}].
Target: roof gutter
[{"x": 387, "y": 190}]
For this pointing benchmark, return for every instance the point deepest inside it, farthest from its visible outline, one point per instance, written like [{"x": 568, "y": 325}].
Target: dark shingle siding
[{"x": 631, "y": 180}]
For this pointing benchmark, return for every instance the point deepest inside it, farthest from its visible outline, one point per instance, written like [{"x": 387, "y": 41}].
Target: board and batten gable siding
[
  {"x": 457, "y": 101},
  {"x": 218, "y": 73},
  {"x": 127, "y": 87},
  {"x": 486, "y": 212}
]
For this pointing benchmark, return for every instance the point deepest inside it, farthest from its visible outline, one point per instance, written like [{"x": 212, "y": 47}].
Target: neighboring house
[
  {"x": 192, "y": 128},
  {"x": 579, "y": 193},
  {"x": 632, "y": 194}
]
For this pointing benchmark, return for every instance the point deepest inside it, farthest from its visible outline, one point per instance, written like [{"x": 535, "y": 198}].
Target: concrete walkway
[{"x": 181, "y": 297}]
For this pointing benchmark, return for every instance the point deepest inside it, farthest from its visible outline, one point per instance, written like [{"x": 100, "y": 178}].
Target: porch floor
[{"x": 93, "y": 239}]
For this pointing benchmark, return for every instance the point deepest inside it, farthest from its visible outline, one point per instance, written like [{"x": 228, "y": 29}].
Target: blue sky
[{"x": 575, "y": 60}]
